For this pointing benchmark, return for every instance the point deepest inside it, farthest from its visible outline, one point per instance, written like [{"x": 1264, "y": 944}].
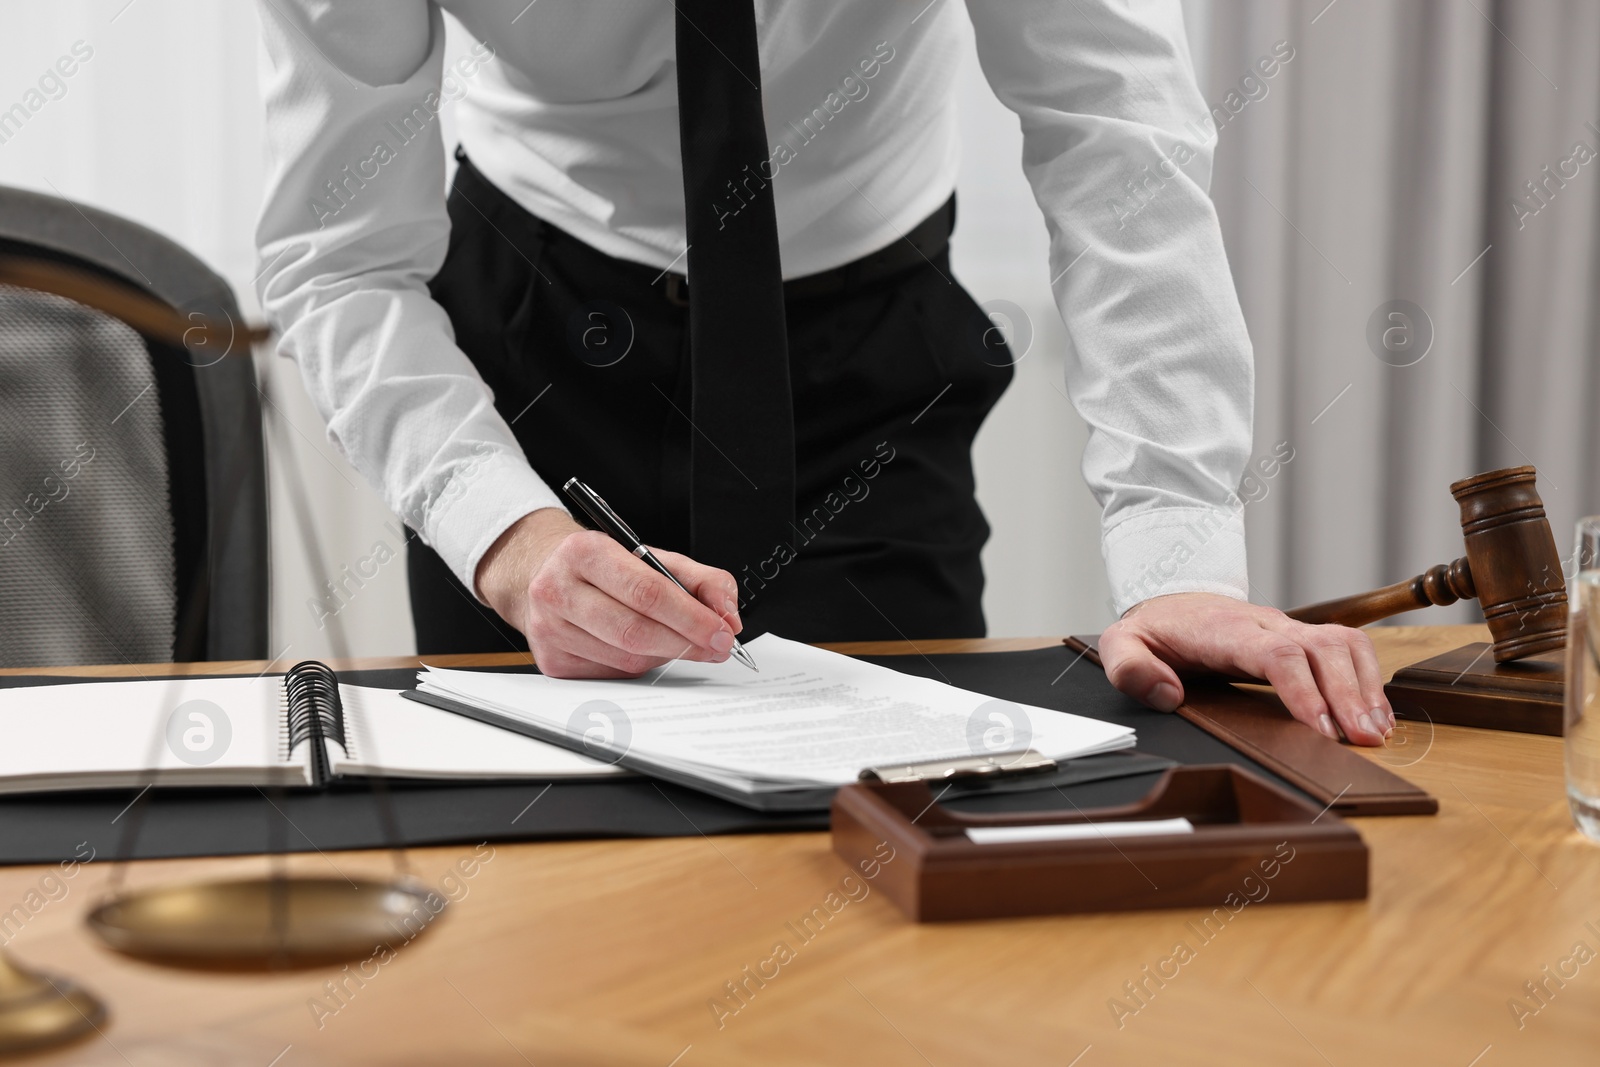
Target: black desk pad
[{"x": 181, "y": 822}]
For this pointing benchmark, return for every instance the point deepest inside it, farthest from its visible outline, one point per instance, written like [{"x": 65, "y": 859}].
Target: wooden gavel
[{"x": 1512, "y": 566}]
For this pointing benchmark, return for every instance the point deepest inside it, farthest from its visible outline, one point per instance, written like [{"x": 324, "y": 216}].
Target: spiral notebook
[{"x": 304, "y": 728}]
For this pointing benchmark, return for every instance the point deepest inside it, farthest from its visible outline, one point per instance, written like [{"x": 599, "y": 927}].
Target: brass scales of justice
[
  {"x": 276, "y": 922},
  {"x": 272, "y": 923}
]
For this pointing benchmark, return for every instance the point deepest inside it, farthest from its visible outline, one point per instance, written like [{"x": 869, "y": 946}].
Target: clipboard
[
  {"x": 1252, "y": 842},
  {"x": 1043, "y": 772}
]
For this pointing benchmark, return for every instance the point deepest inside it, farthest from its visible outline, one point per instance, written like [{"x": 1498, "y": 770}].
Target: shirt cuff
[
  {"x": 479, "y": 504},
  {"x": 1176, "y": 550}
]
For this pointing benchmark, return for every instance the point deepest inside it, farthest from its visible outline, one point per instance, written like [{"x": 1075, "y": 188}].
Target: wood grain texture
[
  {"x": 1252, "y": 720},
  {"x": 926, "y": 863},
  {"x": 1466, "y": 687},
  {"x": 1512, "y": 568},
  {"x": 611, "y": 952}
]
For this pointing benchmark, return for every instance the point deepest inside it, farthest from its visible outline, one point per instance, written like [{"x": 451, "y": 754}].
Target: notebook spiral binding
[{"x": 315, "y": 711}]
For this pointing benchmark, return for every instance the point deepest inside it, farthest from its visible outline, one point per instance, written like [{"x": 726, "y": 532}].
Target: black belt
[{"x": 924, "y": 243}]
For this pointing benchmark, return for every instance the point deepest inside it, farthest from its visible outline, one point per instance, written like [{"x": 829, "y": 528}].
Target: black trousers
[{"x": 588, "y": 359}]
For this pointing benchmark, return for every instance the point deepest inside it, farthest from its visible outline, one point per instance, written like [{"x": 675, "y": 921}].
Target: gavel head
[{"x": 1516, "y": 568}]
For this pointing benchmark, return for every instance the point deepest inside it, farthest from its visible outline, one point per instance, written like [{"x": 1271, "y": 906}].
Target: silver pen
[{"x": 595, "y": 506}]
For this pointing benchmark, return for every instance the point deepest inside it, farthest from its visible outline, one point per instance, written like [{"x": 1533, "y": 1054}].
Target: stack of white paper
[
  {"x": 399, "y": 738},
  {"x": 809, "y": 718}
]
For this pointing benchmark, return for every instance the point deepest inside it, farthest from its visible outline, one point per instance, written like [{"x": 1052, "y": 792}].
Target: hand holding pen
[
  {"x": 602, "y": 515},
  {"x": 590, "y": 609}
]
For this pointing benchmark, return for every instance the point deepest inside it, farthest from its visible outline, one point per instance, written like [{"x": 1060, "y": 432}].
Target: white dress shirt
[{"x": 570, "y": 107}]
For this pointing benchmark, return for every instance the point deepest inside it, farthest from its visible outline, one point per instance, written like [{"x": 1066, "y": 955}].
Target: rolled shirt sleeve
[
  {"x": 352, "y": 227},
  {"x": 1117, "y": 144}
]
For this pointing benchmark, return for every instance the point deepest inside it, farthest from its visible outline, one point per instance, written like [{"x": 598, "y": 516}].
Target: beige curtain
[{"x": 1386, "y": 161}]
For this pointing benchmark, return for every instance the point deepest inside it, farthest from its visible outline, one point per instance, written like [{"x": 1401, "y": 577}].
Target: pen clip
[{"x": 598, "y": 509}]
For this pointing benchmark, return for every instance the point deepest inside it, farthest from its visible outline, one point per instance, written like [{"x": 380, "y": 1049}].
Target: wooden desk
[{"x": 609, "y": 952}]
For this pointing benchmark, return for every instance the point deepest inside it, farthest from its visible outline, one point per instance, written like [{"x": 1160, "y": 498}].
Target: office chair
[{"x": 133, "y": 510}]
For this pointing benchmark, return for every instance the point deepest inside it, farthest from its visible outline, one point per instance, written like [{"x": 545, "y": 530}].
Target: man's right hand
[{"x": 591, "y": 609}]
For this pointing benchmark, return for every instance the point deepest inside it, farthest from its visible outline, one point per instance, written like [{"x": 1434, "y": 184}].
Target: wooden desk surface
[{"x": 610, "y": 952}]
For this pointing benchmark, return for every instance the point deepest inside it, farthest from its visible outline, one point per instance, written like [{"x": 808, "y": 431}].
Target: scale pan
[
  {"x": 265, "y": 924},
  {"x": 37, "y": 1010}
]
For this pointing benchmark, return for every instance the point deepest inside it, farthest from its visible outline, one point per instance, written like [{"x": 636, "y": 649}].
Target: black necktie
[{"x": 741, "y": 459}]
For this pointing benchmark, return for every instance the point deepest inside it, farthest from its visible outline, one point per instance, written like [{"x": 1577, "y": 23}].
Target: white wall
[{"x": 163, "y": 124}]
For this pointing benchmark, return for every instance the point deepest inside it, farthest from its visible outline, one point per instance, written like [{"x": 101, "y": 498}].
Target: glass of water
[{"x": 1582, "y": 745}]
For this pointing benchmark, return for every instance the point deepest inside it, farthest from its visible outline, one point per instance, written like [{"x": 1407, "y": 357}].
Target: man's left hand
[{"x": 1325, "y": 675}]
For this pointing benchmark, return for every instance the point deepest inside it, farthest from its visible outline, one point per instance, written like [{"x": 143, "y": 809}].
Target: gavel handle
[{"x": 1443, "y": 584}]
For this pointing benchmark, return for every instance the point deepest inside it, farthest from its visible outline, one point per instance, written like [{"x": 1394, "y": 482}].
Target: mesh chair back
[{"x": 132, "y": 480}]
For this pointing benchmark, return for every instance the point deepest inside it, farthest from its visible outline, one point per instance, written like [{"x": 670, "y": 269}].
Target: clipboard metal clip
[{"x": 996, "y": 764}]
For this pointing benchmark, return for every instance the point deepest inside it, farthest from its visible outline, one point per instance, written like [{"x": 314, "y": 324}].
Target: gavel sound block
[{"x": 1513, "y": 568}]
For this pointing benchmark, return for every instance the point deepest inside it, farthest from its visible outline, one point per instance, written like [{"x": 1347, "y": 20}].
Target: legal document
[{"x": 810, "y": 718}]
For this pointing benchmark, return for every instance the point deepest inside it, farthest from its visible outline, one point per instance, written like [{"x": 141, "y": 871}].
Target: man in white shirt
[{"x": 468, "y": 356}]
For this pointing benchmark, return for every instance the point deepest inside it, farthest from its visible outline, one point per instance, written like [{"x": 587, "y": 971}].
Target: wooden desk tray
[
  {"x": 1257, "y": 724},
  {"x": 1252, "y": 843}
]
